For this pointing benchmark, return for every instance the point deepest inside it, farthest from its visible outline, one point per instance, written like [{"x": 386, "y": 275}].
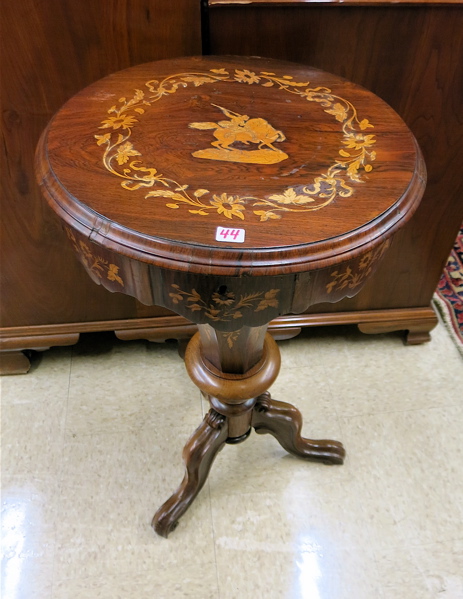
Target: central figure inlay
[{"x": 242, "y": 128}]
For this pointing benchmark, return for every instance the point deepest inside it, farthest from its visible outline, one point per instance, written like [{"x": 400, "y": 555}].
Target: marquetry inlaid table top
[
  {"x": 203, "y": 164},
  {"x": 230, "y": 190}
]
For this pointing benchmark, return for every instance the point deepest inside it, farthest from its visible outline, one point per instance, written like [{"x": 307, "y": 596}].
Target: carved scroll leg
[
  {"x": 198, "y": 455},
  {"x": 284, "y": 422}
]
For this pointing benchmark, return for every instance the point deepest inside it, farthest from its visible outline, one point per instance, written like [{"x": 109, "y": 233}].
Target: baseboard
[{"x": 418, "y": 322}]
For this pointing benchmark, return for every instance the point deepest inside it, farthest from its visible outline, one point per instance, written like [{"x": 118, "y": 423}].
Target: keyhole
[{"x": 222, "y": 291}]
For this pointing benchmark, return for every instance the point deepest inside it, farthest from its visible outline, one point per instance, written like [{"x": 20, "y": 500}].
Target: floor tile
[
  {"x": 28, "y": 524},
  {"x": 442, "y": 566},
  {"x": 111, "y": 486},
  {"x": 32, "y": 438},
  {"x": 300, "y": 547},
  {"x": 409, "y": 465},
  {"x": 130, "y": 387},
  {"x": 92, "y": 443},
  {"x": 185, "y": 580},
  {"x": 27, "y": 566},
  {"x": 398, "y": 379},
  {"x": 399, "y": 577},
  {"x": 47, "y": 381}
]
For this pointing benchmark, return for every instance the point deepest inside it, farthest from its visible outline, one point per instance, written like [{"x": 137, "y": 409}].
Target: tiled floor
[{"x": 91, "y": 446}]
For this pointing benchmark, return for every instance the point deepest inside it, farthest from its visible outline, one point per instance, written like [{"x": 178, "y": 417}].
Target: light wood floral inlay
[
  {"x": 95, "y": 264},
  {"x": 225, "y": 306},
  {"x": 355, "y": 153},
  {"x": 352, "y": 277},
  {"x": 231, "y": 337}
]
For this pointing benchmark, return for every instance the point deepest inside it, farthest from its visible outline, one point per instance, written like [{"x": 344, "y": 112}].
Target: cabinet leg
[
  {"x": 14, "y": 362},
  {"x": 284, "y": 422},
  {"x": 417, "y": 322},
  {"x": 198, "y": 455}
]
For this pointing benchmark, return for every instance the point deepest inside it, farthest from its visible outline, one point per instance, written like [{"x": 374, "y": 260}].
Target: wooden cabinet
[
  {"x": 407, "y": 53},
  {"x": 51, "y": 50},
  {"x": 410, "y": 54}
]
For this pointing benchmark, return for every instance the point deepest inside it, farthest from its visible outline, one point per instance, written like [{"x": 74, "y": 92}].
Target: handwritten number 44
[
  {"x": 228, "y": 235},
  {"x": 230, "y": 232}
]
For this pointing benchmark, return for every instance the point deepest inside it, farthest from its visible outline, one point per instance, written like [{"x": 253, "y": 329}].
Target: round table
[{"x": 230, "y": 190}]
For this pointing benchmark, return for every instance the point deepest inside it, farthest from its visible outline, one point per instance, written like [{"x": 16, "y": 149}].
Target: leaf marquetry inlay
[
  {"x": 95, "y": 264},
  {"x": 124, "y": 160},
  {"x": 226, "y": 306},
  {"x": 351, "y": 277}
]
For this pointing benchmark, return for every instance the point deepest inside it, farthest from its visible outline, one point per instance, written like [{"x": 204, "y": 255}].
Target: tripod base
[{"x": 280, "y": 419}]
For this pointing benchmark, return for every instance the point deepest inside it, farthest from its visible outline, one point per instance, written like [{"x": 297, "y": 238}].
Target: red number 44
[
  {"x": 230, "y": 235},
  {"x": 232, "y": 232}
]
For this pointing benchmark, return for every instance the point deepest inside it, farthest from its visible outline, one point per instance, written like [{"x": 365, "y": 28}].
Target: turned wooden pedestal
[{"x": 230, "y": 190}]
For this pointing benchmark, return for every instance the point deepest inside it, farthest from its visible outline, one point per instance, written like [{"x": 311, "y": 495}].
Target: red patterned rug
[{"x": 449, "y": 293}]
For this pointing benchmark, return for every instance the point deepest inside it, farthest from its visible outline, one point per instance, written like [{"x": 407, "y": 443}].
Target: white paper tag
[{"x": 229, "y": 235}]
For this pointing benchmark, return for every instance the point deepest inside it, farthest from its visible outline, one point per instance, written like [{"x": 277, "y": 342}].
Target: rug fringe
[{"x": 445, "y": 311}]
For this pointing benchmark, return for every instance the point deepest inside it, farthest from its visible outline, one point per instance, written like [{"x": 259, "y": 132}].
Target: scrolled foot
[
  {"x": 163, "y": 524},
  {"x": 198, "y": 455},
  {"x": 284, "y": 422}
]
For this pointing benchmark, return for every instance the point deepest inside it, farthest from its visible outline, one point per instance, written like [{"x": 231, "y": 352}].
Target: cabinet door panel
[
  {"x": 411, "y": 57},
  {"x": 50, "y": 50}
]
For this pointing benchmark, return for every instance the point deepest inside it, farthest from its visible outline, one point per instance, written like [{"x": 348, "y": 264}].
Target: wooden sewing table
[{"x": 230, "y": 190}]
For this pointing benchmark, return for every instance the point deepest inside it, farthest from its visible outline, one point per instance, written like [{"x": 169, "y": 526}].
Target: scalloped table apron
[{"x": 230, "y": 190}]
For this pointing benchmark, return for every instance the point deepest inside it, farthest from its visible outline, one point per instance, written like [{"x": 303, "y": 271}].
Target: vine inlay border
[{"x": 123, "y": 160}]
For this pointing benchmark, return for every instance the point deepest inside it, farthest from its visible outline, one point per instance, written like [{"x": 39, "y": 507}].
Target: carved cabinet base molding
[
  {"x": 13, "y": 360},
  {"x": 417, "y": 322}
]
